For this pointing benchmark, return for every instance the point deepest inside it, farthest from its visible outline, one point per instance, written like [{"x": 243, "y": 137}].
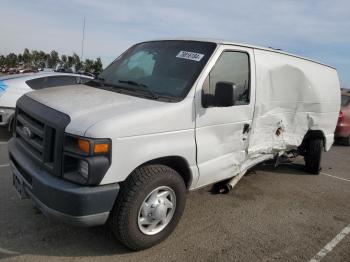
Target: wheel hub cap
[{"x": 157, "y": 210}]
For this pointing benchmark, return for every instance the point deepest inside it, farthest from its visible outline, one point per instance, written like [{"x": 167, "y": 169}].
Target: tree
[
  {"x": 53, "y": 59},
  {"x": 63, "y": 58},
  {"x": 35, "y": 57},
  {"x": 20, "y": 58},
  {"x": 11, "y": 60},
  {"x": 2, "y": 60},
  {"x": 97, "y": 66},
  {"x": 64, "y": 61},
  {"x": 70, "y": 61},
  {"x": 77, "y": 63},
  {"x": 88, "y": 65},
  {"x": 43, "y": 59},
  {"x": 27, "y": 57},
  {"x": 76, "y": 59},
  {"x": 79, "y": 66}
]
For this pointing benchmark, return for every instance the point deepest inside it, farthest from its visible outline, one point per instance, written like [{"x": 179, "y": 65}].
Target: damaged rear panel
[{"x": 293, "y": 95}]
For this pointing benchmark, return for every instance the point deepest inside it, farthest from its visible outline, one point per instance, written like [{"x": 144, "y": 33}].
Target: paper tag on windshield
[{"x": 190, "y": 56}]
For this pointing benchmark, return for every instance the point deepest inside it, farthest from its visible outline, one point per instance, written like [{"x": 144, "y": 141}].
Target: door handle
[{"x": 246, "y": 128}]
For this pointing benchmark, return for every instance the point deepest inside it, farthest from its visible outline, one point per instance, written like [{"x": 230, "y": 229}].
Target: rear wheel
[
  {"x": 313, "y": 155},
  {"x": 347, "y": 141},
  {"x": 150, "y": 204}
]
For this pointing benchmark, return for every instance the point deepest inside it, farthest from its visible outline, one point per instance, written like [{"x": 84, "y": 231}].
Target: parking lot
[{"x": 273, "y": 214}]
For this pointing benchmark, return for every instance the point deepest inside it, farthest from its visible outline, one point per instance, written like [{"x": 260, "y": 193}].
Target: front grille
[
  {"x": 36, "y": 137},
  {"x": 40, "y": 132}
]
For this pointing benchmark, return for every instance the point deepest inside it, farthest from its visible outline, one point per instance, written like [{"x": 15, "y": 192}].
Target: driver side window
[{"x": 231, "y": 67}]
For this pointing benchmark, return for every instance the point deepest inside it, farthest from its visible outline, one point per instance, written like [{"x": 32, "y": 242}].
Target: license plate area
[{"x": 18, "y": 184}]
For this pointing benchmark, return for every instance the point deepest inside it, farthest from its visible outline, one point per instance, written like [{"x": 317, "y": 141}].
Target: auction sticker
[{"x": 190, "y": 56}]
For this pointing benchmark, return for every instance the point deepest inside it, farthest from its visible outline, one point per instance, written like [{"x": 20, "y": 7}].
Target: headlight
[
  {"x": 86, "y": 160},
  {"x": 83, "y": 169},
  {"x": 5, "y": 114}
]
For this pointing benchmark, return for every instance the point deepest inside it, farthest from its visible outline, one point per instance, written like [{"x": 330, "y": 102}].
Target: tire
[
  {"x": 346, "y": 141},
  {"x": 134, "y": 192},
  {"x": 313, "y": 155}
]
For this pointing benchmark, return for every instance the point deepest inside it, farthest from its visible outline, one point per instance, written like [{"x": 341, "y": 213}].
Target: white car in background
[{"x": 13, "y": 87}]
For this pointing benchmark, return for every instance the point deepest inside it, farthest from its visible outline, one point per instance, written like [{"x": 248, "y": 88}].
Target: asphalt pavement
[{"x": 273, "y": 214}]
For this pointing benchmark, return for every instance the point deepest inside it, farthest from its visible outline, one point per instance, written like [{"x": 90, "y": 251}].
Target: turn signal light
[
  {"x": 84, "y": 145},
  {"x": 101, "y": 148}
]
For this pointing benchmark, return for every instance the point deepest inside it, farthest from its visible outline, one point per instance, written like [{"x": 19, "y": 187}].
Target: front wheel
[
  {"x": 313, "y": 154},
  {"x": 150, "y": 205}
]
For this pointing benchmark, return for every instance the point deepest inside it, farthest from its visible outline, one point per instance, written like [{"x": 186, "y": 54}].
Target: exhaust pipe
[{"x": 226, "y": 186}]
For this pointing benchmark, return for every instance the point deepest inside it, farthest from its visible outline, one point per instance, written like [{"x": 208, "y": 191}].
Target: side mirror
[
  {"x": 224, "y": 94},
  {"x": 208, "y": 100}
]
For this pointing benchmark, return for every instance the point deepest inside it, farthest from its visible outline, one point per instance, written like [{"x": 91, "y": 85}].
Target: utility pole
[{"x": 82, "y": 42}]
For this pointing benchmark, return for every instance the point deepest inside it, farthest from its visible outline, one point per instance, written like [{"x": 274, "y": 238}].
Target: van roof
[{"x": 224, "y": 42}]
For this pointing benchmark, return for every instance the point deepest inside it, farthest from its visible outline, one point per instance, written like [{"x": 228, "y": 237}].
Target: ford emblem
[{"x": 27, "y": 132}]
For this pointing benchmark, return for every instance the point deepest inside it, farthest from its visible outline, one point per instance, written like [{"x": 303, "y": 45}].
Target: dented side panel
[{"x": 292, "y": 96}]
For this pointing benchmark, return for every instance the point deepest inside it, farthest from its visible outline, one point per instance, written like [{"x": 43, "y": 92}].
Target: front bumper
[{"x": 61, "y": 199}]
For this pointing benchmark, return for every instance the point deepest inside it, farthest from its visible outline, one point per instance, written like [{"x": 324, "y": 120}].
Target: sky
[{"x": 316, "y": 29}]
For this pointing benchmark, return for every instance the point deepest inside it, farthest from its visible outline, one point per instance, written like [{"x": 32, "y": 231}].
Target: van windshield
[{"x": 156, "y": 70}]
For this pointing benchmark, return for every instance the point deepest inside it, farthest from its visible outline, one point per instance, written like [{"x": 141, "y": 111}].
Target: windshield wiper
[
  {"x": 98, "y": 80},
  {"x": 131, "y": 82},
  {"x": 144, "y": 87}
]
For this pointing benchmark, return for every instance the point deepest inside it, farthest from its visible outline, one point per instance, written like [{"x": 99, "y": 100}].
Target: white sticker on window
[{"x": 190, "y": 56}]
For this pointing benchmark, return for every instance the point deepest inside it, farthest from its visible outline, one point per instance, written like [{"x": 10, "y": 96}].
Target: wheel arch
[
  {"x": 315, "y": 134},
  {"x": 178, "y": 163},
  {"x": 311, "y": 134}
]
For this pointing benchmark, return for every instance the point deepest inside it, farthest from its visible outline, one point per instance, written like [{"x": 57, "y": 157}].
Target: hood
[{"x": 96, "y": 112}]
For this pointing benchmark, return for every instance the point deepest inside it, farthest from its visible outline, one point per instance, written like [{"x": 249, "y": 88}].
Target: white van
[{"x": 164, "y": 118}]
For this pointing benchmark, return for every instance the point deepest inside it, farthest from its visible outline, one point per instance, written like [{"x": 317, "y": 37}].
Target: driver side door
[{"x": 222, "y": 132}]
